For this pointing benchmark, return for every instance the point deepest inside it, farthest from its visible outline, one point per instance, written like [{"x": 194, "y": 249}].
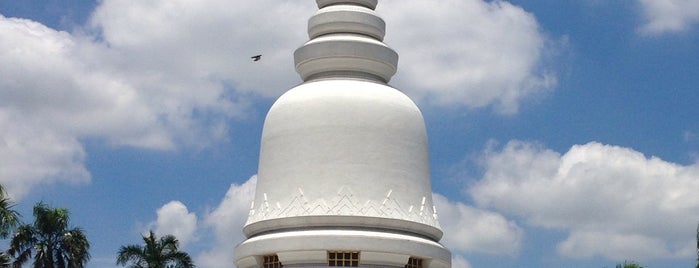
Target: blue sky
[{"x": 562, "y": 133}]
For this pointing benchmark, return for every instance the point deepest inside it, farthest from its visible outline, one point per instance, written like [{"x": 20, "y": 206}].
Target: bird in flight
[{"x": 256, "y": 57}]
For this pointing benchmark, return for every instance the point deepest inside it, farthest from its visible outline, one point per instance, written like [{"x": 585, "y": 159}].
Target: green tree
[
  {"x": 9, "y": 220},
  {"x": 629, "y": 265},
  {"x": 51, "y": 242},
  {"x": 156, "y": 253}
]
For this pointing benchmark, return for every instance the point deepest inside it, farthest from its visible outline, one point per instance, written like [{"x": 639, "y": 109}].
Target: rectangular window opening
[
  {"x": 343, "y": 258},
  {"x": 414, "y": 263},
  {"x": 271, "y": 261}
]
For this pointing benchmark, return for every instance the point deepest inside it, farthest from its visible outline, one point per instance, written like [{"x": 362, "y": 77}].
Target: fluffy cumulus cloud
[
  {"x": 37, "y": 112},
  {"x": 468, "y": 52},
  {"x": 614, "y": 201},
  {"x": 664, "y": 16},
  {"x": 175, "y": 219},
  {"x": 474, "y": 230},
  {"x": 227, "y": 220},
  {"x": 22, "y": 167}
]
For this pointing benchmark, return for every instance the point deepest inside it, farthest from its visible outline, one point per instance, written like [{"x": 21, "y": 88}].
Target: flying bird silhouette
[{"x": 256, "y": 57}]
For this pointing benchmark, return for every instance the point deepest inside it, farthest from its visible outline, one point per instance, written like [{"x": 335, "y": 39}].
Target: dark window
[
  {"x": 271, "y": 261},
  {"x": 414, "y": 263},
  {"x": 343, "y": 258}
]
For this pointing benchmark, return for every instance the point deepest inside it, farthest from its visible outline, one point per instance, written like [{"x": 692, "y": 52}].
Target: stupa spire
[{"x": 346, "y": 40}]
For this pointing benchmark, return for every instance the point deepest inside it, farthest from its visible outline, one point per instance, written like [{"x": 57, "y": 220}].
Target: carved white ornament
[{"x": 345, "y": 204}]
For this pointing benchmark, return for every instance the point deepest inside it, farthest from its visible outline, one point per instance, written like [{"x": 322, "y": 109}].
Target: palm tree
[
  {"x": 51, "y": 242},
  {"x": 156, "y": 253},
  {"x": 9, "y": 220}
]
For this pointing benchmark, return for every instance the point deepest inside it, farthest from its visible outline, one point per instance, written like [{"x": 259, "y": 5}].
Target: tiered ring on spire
[
  {"x": 367, "y": 3},
  {"x": 346, "y": 41}
]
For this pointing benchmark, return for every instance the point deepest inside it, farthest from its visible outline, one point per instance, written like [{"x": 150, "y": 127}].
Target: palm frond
[{"x": 155, "y": 253}]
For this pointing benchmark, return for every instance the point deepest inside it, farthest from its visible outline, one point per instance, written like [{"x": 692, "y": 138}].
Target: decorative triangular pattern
[
  {"x": 345, "y": 203},
  {"x": 296, "y": 207}
]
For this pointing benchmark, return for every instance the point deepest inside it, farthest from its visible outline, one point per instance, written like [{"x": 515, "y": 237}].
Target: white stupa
[{"x": 343, "y": 175}]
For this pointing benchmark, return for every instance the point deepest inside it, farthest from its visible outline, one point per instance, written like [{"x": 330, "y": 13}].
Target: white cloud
[
  {"x": 208, "y": 41},
  {"x": 467, "y": 52},
  {"x": 228, "y": 220},
  {"x": 22, "y": 167},
  {"x": 470, "y": 229},
  {"x": 615, "y": 201},
  {"x": 664, "y": 16},
  {"x": 584, "y": 244},
  {"x": 58, "y": 88},
  {"x": 31, "y": 150},
  {"x": 458, "y": 261},
  {"x": 62, "y": 82},
  {"x": 175, "y": 219}
]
